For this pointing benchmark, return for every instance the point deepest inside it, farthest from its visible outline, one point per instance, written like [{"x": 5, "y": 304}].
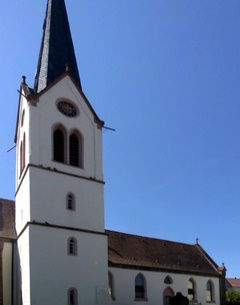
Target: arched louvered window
[
  {"x": 22, "y": 155},
  {"x": 68, "y": 146},
  {"x": 58, "y": 145},
  {"x": 21, "y": 158},
  {"x": 74, "y": 150},
  {"x": 23, "y": 152}
]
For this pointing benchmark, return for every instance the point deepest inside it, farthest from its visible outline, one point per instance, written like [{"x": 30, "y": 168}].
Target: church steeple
[
  {"x": 59, "y": 181},
  {"x": 57, "y": 49}
]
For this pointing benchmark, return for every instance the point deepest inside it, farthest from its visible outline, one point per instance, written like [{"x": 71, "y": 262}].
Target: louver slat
[
  {"x": 74, "y": 150},
  {"x": 58, "y": 146}
]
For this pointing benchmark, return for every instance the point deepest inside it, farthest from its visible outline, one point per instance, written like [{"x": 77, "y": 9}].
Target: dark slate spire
[{"x": 56, "y": 48}]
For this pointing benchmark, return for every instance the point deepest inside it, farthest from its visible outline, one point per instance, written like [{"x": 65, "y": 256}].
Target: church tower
[{"x": 62, "y": 245}]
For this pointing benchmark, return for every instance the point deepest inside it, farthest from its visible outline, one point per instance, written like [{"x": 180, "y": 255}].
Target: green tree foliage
[{"x": 232, "y": 297}]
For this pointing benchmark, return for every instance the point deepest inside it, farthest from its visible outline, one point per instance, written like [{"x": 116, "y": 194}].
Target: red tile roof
[
  {"x": 234, "y": 282},
  {"x": 7, "y": 219},
  {"x": 131, "y": 251}
]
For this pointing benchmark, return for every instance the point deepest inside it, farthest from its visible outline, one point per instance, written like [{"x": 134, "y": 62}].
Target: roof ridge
[
  {"x": 233, "y": 278},
  {"x": 148, "y": 237}
]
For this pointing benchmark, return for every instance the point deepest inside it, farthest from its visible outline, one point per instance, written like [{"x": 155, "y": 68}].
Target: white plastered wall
[
  {"x": 24, "y": 277},
  {"x": 41, "y": 196},
  {"x": 36, "y": 197},
  {"x": 22, "y": 206},
  {"x": 23, "y": 127},
  {"x": 124, "y": 286},
  {"x": 54, "y": 271},
  {"x": 22, "y": 178},
  {"x": 46, "y": 272},
  {"x": 7, "y": 273},
  {"x": 46, "y": 115},
  {"x": 48, "y": 191}
]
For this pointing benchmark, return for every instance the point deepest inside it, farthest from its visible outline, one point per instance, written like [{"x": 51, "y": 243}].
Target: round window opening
[{"x": 67, "y": 109}]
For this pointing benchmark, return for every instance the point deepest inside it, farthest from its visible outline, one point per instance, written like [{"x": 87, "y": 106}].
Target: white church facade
[{"x": 54, "y": 248}]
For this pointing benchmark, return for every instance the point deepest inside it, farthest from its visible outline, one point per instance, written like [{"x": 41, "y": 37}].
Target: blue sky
[{"x": 166, "y": 75}]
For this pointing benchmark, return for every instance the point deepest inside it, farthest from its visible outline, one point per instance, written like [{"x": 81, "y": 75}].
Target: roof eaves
[
  {"x": 35, "y": 97},
  {"x": 167, "y": 269},
  {"x": 207, "y": 257},
  {"x": 27, "y": 94},
  {"x": 149, "y": 238}
]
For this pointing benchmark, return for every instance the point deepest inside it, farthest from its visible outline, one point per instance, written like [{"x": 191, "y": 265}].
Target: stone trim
[
  {"x": 56, "y": 171},
  {"x": 58, "y": 227}
]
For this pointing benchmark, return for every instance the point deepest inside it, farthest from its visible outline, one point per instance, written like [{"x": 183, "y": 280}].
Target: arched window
[
  {"x": 191, "y": 290},
  {"x": 139, "y": 287},
  {"x": 168, "y": 293},
  {"x": 210, "y": 291},
  {"x": 67, "y": 146},
  {"x": 23, "y": 152},
  {"x": 72, "y": 246},
  {"x": 71, "y": 202},
  {"x": 58, "y": 145},
  {"x": 76, "y": 149},
  {"x": 111, "y": 285},
  {"x": 72, "y": 296},
  {"x": 22, "y": 155},
  {"x": 168, "y": 280},
  {"x": 22, "y": 119}
]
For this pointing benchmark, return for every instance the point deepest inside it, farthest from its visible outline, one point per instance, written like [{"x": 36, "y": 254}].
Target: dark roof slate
[
  {"x": 7, "y": 219},
  {"x": 131, "y": 251},
  {"x": 56, "y": 49}
]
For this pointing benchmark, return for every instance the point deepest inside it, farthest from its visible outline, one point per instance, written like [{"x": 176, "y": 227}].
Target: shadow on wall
[
  {"x": 179, "y": 299},
  {"x": 17, "y": 276}
]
